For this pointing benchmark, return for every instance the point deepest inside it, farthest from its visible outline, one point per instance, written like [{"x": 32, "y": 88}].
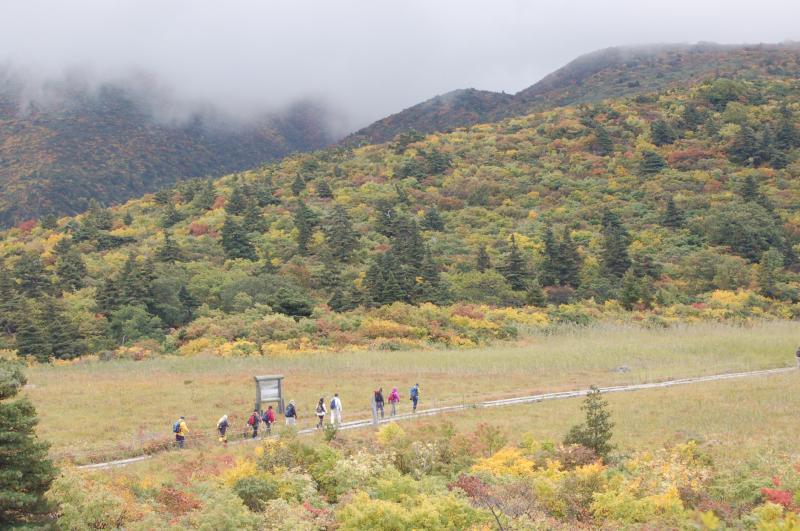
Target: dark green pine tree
[
  {"x": 298, "y": 185},
  {"x": 786, "y": 138},
  {"x": 341, "y": 301},
  {"x": 171, "y": 216},
  {"x": 235, "y": 241},
  {"x": 571, "y": 260},
  {"x": 324, "y": 190},
  {"x": 127, "y": 219},
  {"x": 265, "y": 192},
  {"x": 10, "y": 302},
  {"x": 382, "y": 283},
  {"x": 386, "y": 218},
  {"x": 107, "y": 298},
  {"x": 169, "y": 251},
  {"x": 253, "y": 218},
  {"x": 661, "y": 133},
  {"x": 614, "y": 253},
  {"x": 62, "y": 334},
  {"x": 31, "y": 337},
  {"x": 409, "y": 249},
  {"x": 603, "y": 144},
  {"x": 651, "y": 163},
  {"x": 49, "y": 222},
  {"x": 515, "y": 267},
  {"x": 745, "y": 146},
  {"x": 428, "y": 286},
  {"x": 27, "y": 472},
  {"x": 341, "y": 238},
  {"x": 100, "y": 218},
  {"x": 305, "y": 221},
  {"x": 482, "y": 261},
  {"x": 189, "y": 303},
  {"x": 70, "y": 268},
  {"x": 673, "y": 216},
  {"x": 205, "y": 196},
  {"x": 237, "y": 202},
  {"x": 433, "y": 220},
  {"x": 549, "y": 273},
  {"x": 534, "y": 295},
  {"x": 596, "y": 432},
  {"x": 32, "y": 280},
  {"x": 402, "y": 195},
  {"x": 436, "y": 162},
  {"x": 163, "y": 196},
  {"x": 629, "y": 295},
  {"x": 749, "y": 190},
  {"x": 691, "y": 117},
  {"x": 135, "y": 283}
]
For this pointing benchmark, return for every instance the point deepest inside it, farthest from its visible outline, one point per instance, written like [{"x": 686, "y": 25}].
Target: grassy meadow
[{"x": 105, "y": 409}]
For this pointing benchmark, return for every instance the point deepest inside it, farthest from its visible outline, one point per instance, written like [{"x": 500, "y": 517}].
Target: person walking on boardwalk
[
  {"x": 394, "y": 399},
  {"x": 180, "y": 430},
  {"x": 797, "y": 355},
  {"x": 336, "y": 409},
  {"x": 321, "y": 412},
  {"x": 269, "y": 420},
  {"x": 379, "y": 401},
  {"x": 291, "y": 413},
  {"x": 414, "y": 396},
  {"x": 222, "y": 429},
  {"x": 254, "y": 421}
]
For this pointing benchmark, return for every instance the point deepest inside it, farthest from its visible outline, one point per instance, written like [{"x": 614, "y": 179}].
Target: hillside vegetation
[
  {"x": 680, "y": 205},
  {"x": 110, "y": 145},
  {"x": 609, "y": 73}
]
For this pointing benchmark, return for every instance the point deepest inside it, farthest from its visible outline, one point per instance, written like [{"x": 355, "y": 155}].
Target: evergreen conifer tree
[
  {"x": 10, "y": 302},
  {"x": 786, "y": 137},
  {"x": 70, "y": 268},
  {"x": 265, "y": 192},
  {"x": 691, "y": 117},
  {"x": 169, "y": 251},
  {"x": 534, "y": 295},
  {"x": 27, "y": 472},
  {"x": 341, "y": 238},
  {"x": 383, "y": 286},
  {"x": 483, "y": 262},
  {"x": 235, "y": 241},
  {"x": 433, "y": 220},
  {"x": 603, "y": 145},
  {"x": 744, "y": 148},
  {"x": 31, "y": 337},
  {"x": 629, "y": 293},
  {"x": 550, "y": 274},
  {"x": 515, "y": 268},
  {"x": 428, "y": 286},
  {"x": 127, "y": 219},
  {"x": 596, "y": 431},
  {"x": 571, "y": 260},
  {"x": 205, "y": 197},
  {"x": 49, "y": 222},
  {"x": 661, "y": 133},
  {"x": 652, "y": 163},
  {"x": 171, "y": 216},
  {"x": 253, "y": 218},
  {"x": 673, "y": 216},
  {"x": 324, "y": 190},
  {"x": 32, "y": 280},
  {"x": 237, "y": 202},
  {"x": 614, "y": 253},
  {"x": 108, "y": 296},
  {"x": 61, "y": 333},
  {"x": 305, "y": 221},
  {"x": 298, "y": 185}
]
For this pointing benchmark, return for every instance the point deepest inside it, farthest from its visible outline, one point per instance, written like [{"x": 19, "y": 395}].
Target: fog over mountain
[{"x": 363, "y": 60}]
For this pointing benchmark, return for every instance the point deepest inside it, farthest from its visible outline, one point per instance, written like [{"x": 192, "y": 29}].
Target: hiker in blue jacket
[{"x": 415, "y": 396}]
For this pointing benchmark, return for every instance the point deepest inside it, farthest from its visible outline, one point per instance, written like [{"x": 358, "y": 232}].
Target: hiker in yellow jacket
[{"x": 180, "y": 430}]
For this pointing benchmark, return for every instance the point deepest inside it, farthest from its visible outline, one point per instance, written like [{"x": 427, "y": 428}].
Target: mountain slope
[
  {"x": 678, "y": 205},
  {"x": 110, "y": 146},
  {"x": 610, "y": 73}
]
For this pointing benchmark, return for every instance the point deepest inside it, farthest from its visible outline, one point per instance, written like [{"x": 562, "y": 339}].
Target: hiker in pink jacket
[{"x": 394, "y": 399}]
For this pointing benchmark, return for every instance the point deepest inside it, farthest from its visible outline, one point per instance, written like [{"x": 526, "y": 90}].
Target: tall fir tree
[
  {"x": 340, "y": 237},
  {"x": 235, "y": 241},
  {"x": 515, "y": 267},
  {"x": 237, "y": 202},
  {"x": 673, "y": 216},
  {"x": 603, "y": 144},
  {"x": 571, "y": 260},
  {"x": 265, "y": 192},
  {"x": 651, "y": 163},
  {"x": 745, "y": 145},
  {"x": 253, "y": 219},
  {"x": 324, "y": 190},
  {"x": 482, "y": 261},
  {"x": 305, "y": 221},
  {"x": 70, "y": 269},
  {"x": 661, "y": 133},
  {"x": 32, "y": 279},
  {"x": 382, "y": 284},
  {"x": 691, "y": 117},
  {"x": 31, "y": 337},
  {"x": 171, "y": 216},
  {"x": 786, "y": 137},
  {"x": 298, "y": 185},
  {"x": 62, "y": 334},
  {"x": 614, "y": 252},
  {"x": 10, "y": 302},
  {"x": 169, "y": 251},
  {"x": 433, "y": 219},
  {"x": 428, "y": 285},
  {"x": 27, "y": 471},
  {"x": 205, "y": 197},
  {"x": 549, "y": 272}
]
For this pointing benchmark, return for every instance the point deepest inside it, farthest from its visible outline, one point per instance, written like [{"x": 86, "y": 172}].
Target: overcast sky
[{"x": 368, "y": 58}]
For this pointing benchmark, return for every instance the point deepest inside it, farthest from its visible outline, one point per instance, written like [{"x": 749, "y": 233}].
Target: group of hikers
[{"x": 267, "y": 417}]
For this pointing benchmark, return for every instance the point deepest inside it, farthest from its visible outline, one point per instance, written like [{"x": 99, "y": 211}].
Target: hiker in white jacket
[{"x": 336, "y": 409}]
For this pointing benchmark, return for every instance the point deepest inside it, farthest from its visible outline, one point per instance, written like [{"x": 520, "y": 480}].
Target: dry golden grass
[{"x": 116, "y": 406}]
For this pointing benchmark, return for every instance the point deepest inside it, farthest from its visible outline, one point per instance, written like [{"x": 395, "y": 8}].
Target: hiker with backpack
[
  {"x": 291, "y": 413},
  {"x": 222, "y": 429},
  {"x": 797, "y": 355},
  {"x": 379, "y": 401},
  {"x": 180, "y": 430},
  {"x": 394, "y": 399},
  {"x": 414, "y": 396},
  {"x": 269, "y": 420},
  {"x": 321, "y": 412},
  {"x": 336, "y": 410},
  {"x": 254, "y": 421}
]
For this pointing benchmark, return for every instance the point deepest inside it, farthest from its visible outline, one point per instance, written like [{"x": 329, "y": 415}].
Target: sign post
[{"x": 269, "y": 388}]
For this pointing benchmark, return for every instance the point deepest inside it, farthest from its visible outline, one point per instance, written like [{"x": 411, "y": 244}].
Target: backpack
[
  {"x": 289, "y": 411},
  {"x": 252, "y": 420},
  {"x": 333, "y": 404},
  {"x": 176, "y": 426},
  {"x": 320, "y": 409},
  {"x": 414, "y": 393}
]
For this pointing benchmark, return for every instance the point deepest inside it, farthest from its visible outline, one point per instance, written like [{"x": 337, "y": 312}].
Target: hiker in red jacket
[
  {"x": 254, "y": 421},
  {"x": 269, "y": 420}
]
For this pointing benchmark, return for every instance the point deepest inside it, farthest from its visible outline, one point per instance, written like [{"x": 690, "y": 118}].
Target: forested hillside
[
  {"x": 676, "y": 205},
  {"x": 610, "y": 73},
  {"x": 109, "y": 145}
]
